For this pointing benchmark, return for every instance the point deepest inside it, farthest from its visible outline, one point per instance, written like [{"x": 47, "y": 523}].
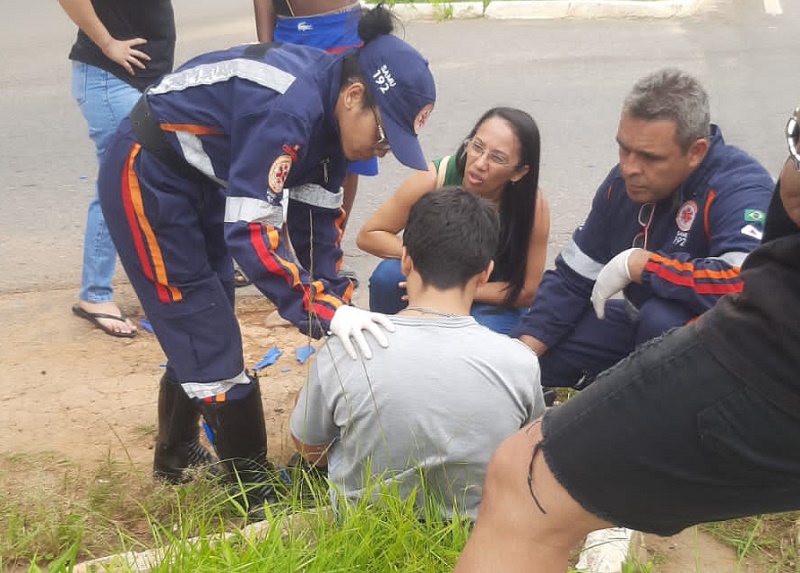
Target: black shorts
[{"x": 669, "y": 438}]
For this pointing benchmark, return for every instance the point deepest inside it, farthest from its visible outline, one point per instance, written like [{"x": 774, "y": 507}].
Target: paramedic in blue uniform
[
  {"x": 216, "y": 159},
  {"x": 669, "y": 227}
]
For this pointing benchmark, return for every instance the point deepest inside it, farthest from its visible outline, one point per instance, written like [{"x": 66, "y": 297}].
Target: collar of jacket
[{"x": 700, "y": 176}]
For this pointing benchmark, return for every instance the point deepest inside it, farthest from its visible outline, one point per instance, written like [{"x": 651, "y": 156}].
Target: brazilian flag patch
[{"x": 753, "y": 215}]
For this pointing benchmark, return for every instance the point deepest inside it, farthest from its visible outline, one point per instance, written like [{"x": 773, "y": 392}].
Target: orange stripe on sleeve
[
  {"x": 700, "y": 288},
  {"x": 269, "y": 256},
  {"x": 688, "y": 279},
  {"x": 339, "y": 223},
  {"x": 706, "y": 209},
  {"x": 330, "y": 301},
  {"x": 314, "y": 298},
  {"x": 728, "y": 274},
  {"x": 189, "y": 128}
]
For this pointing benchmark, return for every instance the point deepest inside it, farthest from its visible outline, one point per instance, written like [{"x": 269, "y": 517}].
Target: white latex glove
[
  {"x": 614, "y": 277},
  {"x": 349, "y": 322}
]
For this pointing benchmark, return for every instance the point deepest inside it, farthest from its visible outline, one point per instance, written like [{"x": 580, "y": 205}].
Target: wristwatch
[{"x": 792, "y": 137}]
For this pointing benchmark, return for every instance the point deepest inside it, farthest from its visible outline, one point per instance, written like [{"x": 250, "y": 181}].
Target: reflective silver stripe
[
  {"x": 312, "y": 194},
  {"x": 193, "y": 152},
  {"x": 733, "y": 258},
  {"x": 580, "y": 262},
  {"x": 201, "y": 390},
  {"x": 251, "y": 210},
  {"x": 208, "y": 74}
]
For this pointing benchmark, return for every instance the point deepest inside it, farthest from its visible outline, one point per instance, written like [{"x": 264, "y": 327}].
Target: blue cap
[{"x": 403, "y": 86}]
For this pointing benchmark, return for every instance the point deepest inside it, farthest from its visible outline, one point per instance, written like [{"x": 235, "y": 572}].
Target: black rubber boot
[
  {"x": 240, "y": 440},
  {"x": 177, "y": 446}
]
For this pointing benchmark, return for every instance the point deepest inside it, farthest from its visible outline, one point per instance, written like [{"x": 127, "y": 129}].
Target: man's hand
[
  {"x": 618, "y": 273},
  {"x": 349, "y": 322},
  {"x": 124, "y": 53}
]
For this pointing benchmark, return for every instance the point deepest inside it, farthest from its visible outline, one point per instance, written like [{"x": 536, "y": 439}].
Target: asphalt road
[{"x": 571, "y": 75}]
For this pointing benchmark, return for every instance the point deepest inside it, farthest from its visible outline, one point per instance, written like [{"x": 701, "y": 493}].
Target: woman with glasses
[
  {"x": 226, "y": 158},
  {"x": 499, "y": 161}
]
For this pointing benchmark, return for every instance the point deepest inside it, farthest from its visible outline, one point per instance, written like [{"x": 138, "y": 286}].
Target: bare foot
[{"x": 122, "y": 327}]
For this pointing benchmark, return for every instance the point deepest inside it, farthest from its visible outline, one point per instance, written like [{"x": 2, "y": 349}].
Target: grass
[
  {"x": 769, "y": 539},
  {"x": 635, "y": 567},
  {"x": 55, "y": 515}
]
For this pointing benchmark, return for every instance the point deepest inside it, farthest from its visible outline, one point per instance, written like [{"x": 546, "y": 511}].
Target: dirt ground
[
  {"x": 693, "y": 550},
  {"x": 69, "y": 390}
]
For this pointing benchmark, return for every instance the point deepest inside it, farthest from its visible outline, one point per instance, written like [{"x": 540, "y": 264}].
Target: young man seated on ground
[{"x": 434, "y": 404}]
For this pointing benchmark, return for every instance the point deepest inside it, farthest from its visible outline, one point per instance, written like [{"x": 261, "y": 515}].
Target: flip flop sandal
[
  {"x": 94, "y": 316},
  {"x": 240, "y": 279}
]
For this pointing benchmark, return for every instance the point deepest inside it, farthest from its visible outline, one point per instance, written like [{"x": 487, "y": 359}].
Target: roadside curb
[
  {"x": 547, "y": 9},
  {"x": 151, "y": 559},
  {"x": 605, "y": 550}
]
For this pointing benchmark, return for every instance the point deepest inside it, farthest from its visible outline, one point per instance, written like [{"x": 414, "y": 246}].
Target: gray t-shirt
[{"x": 435, "y": 403}]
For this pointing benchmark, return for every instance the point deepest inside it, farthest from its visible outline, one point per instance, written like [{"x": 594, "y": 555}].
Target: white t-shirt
[{"x": 435, "y": 403}]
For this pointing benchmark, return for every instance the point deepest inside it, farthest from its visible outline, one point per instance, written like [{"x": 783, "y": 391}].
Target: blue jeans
[
  {"x": 594, "y": 344},
  {"x": 385, "y": 296},
  {"x": 104, "y": 100}
]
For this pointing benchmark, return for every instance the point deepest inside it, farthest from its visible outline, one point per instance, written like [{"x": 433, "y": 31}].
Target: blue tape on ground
[
  {"x": 269, "y": 358},
  {"x": 303, "y": 353}
]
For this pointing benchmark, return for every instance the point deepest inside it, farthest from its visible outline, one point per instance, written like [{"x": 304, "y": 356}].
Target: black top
[
  {"x": 757, "y": 333},
  {"x": 152, "y": 20}
]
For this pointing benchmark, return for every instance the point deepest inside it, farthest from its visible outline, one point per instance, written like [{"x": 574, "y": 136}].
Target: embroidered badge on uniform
[
  {"x": 279, "y": 172},
  {"x": 686, "y": 215},
  {"x": 753, "y": 216},
  {"x": 751, "y": 231}
]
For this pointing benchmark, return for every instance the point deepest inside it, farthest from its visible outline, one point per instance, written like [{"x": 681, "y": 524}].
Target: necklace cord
[{"x": 424, "y": 310}]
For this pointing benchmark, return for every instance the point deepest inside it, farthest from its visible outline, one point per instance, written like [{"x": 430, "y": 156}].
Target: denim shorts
[{"x": 669, "y": 437}]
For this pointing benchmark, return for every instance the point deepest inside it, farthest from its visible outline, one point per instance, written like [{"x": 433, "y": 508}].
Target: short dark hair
[{"x": 451, "y": 235}]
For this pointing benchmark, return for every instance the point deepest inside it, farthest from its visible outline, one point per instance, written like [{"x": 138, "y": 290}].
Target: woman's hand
[{"x": 124, "y": 53}]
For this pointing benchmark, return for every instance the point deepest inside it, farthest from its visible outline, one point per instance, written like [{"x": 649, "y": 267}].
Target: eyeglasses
[
  {"x": 792, "y": 136},
  {"x": 382, "y": 145},
  {"x": 646, "y": 212},
  {"x": 476, "y": 149}
]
